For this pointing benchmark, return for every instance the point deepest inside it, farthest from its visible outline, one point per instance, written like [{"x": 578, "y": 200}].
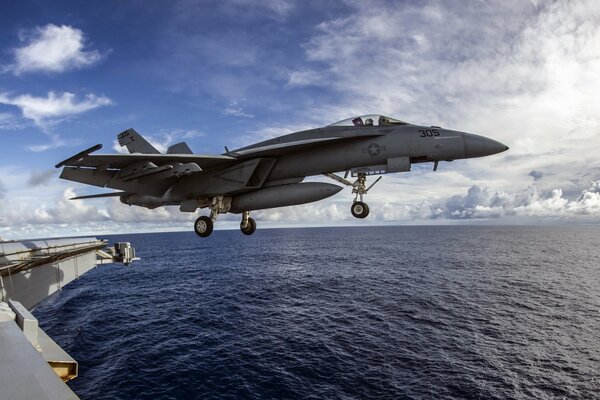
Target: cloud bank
[
  {"x": 483, "y": 203},
  {"x": 479, "y": 204}
]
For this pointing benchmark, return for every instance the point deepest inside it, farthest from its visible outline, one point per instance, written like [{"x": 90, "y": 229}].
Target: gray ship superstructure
[{"x": 32, "y": 365}]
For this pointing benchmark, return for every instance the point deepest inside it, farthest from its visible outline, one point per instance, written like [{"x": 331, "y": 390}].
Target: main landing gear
[
  {"x": 204, "y": 224},
  {"x": 359, "y": 208}
]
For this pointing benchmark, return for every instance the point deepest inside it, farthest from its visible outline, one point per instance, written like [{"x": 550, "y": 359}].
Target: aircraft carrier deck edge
[{"x": 32, "y": 365}]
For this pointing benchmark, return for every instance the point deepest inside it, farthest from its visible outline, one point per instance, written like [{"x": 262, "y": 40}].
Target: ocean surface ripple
[{"x": 339, "y": 313}]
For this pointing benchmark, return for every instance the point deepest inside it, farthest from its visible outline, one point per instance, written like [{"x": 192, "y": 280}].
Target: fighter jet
[{"x": 270, "y": 174}]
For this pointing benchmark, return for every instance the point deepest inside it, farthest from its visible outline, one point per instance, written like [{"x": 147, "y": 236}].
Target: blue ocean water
[{"x": 439, "y": 312}]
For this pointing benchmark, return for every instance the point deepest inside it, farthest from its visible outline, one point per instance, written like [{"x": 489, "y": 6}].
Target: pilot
[
  {"x": 369, "y": 122},
  {"x": 384, "y": 121}
]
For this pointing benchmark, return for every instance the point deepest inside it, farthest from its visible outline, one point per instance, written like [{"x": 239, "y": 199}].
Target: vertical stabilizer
[
  {"x": 135, "y": 142},
  {"x": 180, "y": 148}
]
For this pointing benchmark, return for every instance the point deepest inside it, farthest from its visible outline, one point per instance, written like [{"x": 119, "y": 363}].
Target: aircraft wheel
[
  {"x": 250, "y": 227},
  {"x": 359, "y": 209},
  {"x": 203, "y": 226}
]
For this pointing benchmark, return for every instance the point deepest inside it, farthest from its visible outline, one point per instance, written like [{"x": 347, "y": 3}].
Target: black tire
[
  {"x": 250, "y": 227},
  {"x": 359, "y": 209},
  {"x": 203, "y": 226}
]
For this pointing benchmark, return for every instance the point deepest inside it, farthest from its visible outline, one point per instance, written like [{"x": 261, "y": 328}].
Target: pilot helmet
[{"x": 369, "y": 121}]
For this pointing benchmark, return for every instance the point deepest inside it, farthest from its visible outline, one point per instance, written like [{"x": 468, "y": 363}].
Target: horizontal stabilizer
[
  {"x": 179, "y": 148},
  {"x": 79, "y": 156},
  {"x": 135, "y": 143},
  {"x": 97, "y": 196}
]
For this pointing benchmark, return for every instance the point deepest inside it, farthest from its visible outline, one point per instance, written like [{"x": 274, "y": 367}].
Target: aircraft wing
[
  {"x": 119, "y": 161},
  {"x": 136, "y": 172}
]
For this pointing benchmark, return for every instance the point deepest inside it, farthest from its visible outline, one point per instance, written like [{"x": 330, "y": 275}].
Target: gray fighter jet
[{"x": 270, "y": 174}]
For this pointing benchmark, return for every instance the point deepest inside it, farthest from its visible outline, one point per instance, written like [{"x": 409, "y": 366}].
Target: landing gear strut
[
  {"x": 204, "y": 225},
  {"x": 359, "y": 208},
  {"x": 248, "y": 225}
]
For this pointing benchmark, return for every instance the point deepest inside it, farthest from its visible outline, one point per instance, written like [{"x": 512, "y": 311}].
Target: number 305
[{"x": 428, "y": 132}]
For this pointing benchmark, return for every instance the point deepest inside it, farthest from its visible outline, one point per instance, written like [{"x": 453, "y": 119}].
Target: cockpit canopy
[{"x": 370, "y": 120}]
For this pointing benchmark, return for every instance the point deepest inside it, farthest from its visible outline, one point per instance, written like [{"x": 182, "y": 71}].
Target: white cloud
[
  {"x": 53, "y": 48},
  {"x": 47, "y": 111},
  {"x": 61, "y": 211},
  {"x": 25, "y": 216},
  {"x": 118, "y": 148},
  {"x": 524, "y": 206}
]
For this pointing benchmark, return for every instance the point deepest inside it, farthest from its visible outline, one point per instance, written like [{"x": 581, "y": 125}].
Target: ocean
[{"x": 415, "y": 312}]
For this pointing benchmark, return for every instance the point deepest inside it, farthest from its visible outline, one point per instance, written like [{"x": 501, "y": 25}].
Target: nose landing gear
[
  {"x": 359, "y": 208},
  {"x": 248, "y": 225}
]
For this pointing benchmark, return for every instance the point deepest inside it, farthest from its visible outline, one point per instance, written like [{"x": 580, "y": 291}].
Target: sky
[{"x": 230, "y": 73}]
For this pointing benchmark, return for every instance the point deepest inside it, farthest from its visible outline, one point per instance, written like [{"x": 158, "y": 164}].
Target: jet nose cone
[{"x": 480, "y": 146}]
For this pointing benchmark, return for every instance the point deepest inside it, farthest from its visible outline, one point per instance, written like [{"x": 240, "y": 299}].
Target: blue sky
[
  {"x": 73, "y": 74},
  {"x": 187, "y": 66}
]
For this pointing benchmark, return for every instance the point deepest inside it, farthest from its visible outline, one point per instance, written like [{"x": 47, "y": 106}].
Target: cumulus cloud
[
  {"x": 479, "y": 204},
  {"x": 53, "y": 48},
  {"x": 62, "y": 211},
  {"x": 27, "y": 215},
  {"x": 46, "y": 111},
  {"x": 483, "y": 203}
]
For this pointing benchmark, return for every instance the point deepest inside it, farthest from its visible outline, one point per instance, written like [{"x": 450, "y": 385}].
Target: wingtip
[{"x": 79, "y": 155}]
